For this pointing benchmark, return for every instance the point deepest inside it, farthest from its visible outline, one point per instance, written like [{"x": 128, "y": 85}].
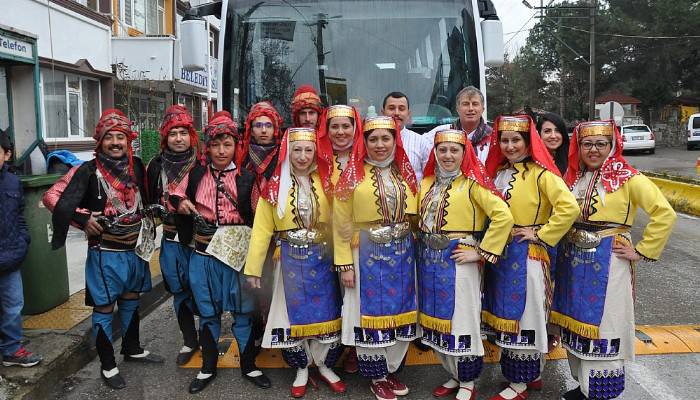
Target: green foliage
[{"x": 653, "y": 70}]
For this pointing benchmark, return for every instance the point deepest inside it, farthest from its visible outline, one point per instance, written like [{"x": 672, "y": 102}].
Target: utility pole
[
  {"x": 561, "y": 73},
  {"x": 591, "y": 71}
]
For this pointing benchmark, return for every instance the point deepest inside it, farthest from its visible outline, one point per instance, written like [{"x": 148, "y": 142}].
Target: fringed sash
[
  {"x": 387, "y": 283},
  {"x": 311, "y": 290}
]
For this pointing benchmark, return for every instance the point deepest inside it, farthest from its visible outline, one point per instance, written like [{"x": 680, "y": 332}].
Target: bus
[{"x": 353, "y": 52}]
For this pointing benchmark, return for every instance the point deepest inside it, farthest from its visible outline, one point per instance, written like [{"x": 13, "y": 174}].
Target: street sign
[{"x": 612, "y": 110}]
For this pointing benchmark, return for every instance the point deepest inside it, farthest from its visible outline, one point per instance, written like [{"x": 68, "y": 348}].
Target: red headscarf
[
  {"x": 221, "y": 123},
  {"x": 615, "y": 170},
  {"x": 177, "y": 116},
  {"x": 325, "y": 169},
  {"x": 266, "y": 109},
  {"x": 355, "y": 171},
  {"x": 305, "y": 97},
  {"x": 538, "y": 152},
  {"x": 113, "y": 120},
  {"x": 471, "y": 167}
]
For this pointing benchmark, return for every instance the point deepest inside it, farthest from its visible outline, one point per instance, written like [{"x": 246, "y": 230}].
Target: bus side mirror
[
  {"x": 492, "y": 42},
  {"x": 194, "y": 41}
]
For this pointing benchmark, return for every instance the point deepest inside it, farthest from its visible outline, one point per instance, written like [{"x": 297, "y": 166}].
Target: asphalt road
[
  {"x": 666, "y": 295},
  {"x": 674, "y": 160}
]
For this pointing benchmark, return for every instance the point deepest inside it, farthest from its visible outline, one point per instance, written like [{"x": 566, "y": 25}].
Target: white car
[
  {"x": 638, "y": 137},
  {"x": 693, "y": 131}
]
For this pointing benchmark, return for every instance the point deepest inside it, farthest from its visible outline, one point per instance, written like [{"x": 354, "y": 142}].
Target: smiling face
[
  {"x": 380, "y": 143},
  {"x": 302, "y": 156},
  {"x": 221, "y": 150},
  {"x": 341, "y": 132},
  {"x": 449, "y": 156},
  {"x": 178, "y": 139},
  {"x": 263, "y": 130},
  {"x": 594, "y": 151},
  {"x": 114, "y": 144},
  {"x": 551, "y": 136},
  {"x": 470, "y": 109},
  {"x": 513, "y": 146},
  {"x": 397, "y": 107}
]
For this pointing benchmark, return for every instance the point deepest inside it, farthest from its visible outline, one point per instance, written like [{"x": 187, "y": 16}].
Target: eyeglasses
[
  {"x": 261, "y": 125},
  {"x": 600, "y": 145}
]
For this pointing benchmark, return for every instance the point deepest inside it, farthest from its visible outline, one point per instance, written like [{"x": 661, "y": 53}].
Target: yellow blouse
[
  {"x": 363, "y": 208},
  {"x": 620, "y": 207},
  {"x": 465, "y": 209},
  {"x": 267, "y": 222},
  {"x": 538, "y": 197},
  {"x": 337, "y": 166}
]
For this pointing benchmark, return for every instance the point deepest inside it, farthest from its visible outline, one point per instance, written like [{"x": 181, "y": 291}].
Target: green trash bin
[{"x": 44, "y": 271}]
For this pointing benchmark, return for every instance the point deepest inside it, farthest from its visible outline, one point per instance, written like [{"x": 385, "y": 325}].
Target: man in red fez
[
  {"x": 109, "y": 189},
  {"x": 306, "y": 107}
]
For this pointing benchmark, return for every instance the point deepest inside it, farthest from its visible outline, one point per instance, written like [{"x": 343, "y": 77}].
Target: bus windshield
[{"x": 353, "y": 52}]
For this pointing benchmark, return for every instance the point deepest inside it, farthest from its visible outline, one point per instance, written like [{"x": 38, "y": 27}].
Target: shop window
[
  {"x": 71, "y": 105},
  {"x": 4, "y": 101}
]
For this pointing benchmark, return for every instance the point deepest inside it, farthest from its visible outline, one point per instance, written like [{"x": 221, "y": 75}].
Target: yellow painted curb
[{"x": 684, "y": 197}]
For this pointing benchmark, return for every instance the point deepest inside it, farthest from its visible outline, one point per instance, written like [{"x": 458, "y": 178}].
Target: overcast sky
[{"x": 514, "y": 15}]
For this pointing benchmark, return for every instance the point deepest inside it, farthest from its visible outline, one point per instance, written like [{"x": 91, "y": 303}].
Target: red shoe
[
  {"x": 519, "y": 396},
  {"x": 396, "y": 385},
  {"x": 337, "y": 387},
  {"x": 350, "y": 364},
  {"x": 300, "y": 391},
  {"x": 382, "y": 391},
  {"x": 442, "y": 391},
  {"x": 537, "y": 384}
]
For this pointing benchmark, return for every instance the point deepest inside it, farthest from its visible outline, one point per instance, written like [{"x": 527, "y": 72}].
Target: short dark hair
[
  {"x": 396, "y": 95},
  {"x": 5, "y": 141}
]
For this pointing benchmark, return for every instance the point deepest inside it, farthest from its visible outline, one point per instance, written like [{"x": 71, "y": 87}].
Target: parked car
[
  {"x": 693, "y": 131},
  {"x": 638, "y": 137}
]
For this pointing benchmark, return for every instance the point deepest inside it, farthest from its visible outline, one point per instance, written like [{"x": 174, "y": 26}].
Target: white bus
[{"x": 352, "y": 51}]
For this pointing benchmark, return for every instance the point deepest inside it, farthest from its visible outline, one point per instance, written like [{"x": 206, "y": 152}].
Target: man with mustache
[
  {"x": 179, "y": 153},
  {"x": 306, "y": 107},
  {"x": 110, "y": 186},
  {"x": 470, "y": 107},
  {"x": 396, "y": 105}
]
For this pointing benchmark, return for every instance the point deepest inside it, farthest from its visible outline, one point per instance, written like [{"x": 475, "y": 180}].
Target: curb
[
  {"x": 684, "y": 196},
  {"x": 79, "y": 352}
]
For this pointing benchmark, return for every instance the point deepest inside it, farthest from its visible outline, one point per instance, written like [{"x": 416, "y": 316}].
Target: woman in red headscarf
[
  {"x": 375, "y": 198},
  {"x": 594, "y": 301},
  {"x": 258, "y": 151},
  {"x": 295, "y": 211},
  {"x": 455, "y": 199},
  {"x": 517, "y": 292},
  {"x": 342, "y": 126}
]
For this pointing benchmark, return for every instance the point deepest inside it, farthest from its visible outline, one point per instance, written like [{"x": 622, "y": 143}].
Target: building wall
[
  {"x": 23, "y": 105},
  {"x": 63, "y": 35}
]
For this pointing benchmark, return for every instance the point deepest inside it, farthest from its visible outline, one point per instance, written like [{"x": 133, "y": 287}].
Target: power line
[
  {"x": 631, "y": 36},
  {"x": 520, "y": 30}
]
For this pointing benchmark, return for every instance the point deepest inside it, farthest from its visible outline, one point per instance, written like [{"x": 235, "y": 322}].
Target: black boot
[
  {"x": 105, "y": 352},
  {"x": 249, "y": 354},
  {"x": 210, "y": 357},
  {"x": 574, "y": 394},
  {"x": 185, "y": 319},
  {"x": 131, "y": 347}
]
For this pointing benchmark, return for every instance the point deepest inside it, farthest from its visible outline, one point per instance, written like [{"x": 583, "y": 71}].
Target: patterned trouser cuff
[
  {"x": 295, "y": 357},
  {"x": 333, "y": 354},
  {"x": 520, "y": 368},
  {"x": 372, "y": 367},
  {"x": 469, "y": 368},
  {"x": 606, "y": 384}
]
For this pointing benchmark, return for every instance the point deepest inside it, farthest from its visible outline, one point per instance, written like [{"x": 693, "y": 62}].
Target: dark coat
[{"x": 14, "y": 235}]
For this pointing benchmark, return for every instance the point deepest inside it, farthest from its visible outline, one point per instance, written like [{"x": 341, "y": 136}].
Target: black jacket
[{"x": 14, "y": 235}]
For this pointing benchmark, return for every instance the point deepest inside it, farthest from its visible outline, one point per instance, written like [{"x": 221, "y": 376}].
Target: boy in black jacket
[{"x": 14, "y": 242}]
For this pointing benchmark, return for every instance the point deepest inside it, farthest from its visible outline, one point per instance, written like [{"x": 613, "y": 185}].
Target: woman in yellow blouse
[
  {"x": 342, "y": 126},
  {"x": 304, "y": 319},
  {"x": 518, "y": 289},
  {"x": 593, "y": 301},
  {"x": 376, "y": 195},
  {"x": 455, "y": 199}
]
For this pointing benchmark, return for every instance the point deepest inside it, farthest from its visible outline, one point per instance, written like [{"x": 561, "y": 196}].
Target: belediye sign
[{"x": 15, "y": 47}]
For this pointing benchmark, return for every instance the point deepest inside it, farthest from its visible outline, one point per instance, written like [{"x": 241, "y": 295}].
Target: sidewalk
[{"x": 63, "y": 336}]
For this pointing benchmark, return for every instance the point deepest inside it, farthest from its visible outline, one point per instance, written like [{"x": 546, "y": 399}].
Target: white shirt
[
  {"x": 418, "y": 149},
  {"x": 482, "y": 151}
]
